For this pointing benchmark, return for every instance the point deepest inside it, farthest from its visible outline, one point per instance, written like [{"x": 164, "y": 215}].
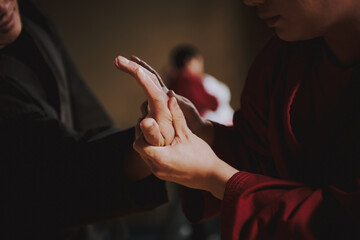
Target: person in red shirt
[
  {"x": 186, "y": 78},
  {"x": 289, "y": 168}
]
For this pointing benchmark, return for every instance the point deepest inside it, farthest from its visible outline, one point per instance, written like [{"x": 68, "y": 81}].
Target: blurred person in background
[{"x": 188, "y": 78}]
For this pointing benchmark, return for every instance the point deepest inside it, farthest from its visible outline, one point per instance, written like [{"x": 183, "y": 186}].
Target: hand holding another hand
[
  {"x": 161, "y": 131},
  {"x": 167, "y": 145},
  {"x": 188, "y": 160}
]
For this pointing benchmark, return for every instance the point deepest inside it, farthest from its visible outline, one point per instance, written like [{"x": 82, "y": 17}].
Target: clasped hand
[{"x": 166, "y": 143}]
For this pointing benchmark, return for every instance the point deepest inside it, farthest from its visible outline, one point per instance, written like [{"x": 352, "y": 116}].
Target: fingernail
[{"x": 123, "y": 60}]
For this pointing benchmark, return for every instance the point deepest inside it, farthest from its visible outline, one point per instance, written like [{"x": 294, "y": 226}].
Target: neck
[{"x": 344, "y": 41}]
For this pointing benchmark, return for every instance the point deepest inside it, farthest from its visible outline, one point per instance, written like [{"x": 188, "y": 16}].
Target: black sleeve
[
  {"x": 53, "y": 177},
  {"x": 87, "y": 111}
]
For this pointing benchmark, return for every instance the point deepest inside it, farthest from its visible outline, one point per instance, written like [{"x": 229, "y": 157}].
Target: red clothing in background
[
  {"x": 191, "y": 87},
  {"x": 296, "y": 143}
]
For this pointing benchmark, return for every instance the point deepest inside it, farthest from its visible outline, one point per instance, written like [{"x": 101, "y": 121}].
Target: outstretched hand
[
  {"x": 167, "y": 145},
  {"x": 159, "y": 132}
]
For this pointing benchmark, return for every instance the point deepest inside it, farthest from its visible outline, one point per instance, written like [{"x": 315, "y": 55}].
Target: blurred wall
[{"x": 226, "y": 32}]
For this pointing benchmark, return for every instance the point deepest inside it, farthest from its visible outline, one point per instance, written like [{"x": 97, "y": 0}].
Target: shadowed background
[{"x": 227, "y": 33}]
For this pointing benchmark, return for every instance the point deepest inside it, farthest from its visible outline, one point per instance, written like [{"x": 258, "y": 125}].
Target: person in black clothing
[{"x": 63, "y": 163}]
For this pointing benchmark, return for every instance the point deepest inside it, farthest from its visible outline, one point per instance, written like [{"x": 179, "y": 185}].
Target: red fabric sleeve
[
  {"x": 266, "y": 203},
  {"x": 229, "y": 146},
  {"x": 257, "y": 206},
  {"x": 260, "y": 207}
]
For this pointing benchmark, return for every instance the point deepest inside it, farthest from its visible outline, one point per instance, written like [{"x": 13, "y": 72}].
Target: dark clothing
[
  {"x": 61, "y": 157},
  {"x": 295, "y": 141}
]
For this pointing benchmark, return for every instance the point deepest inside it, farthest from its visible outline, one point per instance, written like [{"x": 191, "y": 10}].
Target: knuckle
[
  {"x": 159, "y": 99},
  {"x": 138, "y": 71}
]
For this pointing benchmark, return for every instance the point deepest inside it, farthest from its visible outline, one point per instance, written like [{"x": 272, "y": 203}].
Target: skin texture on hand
[
  {"x": 185, "y": 158},
  {"x": 201, "y": 127},
  {"x": 157, "y": 102},
  {"x": 188, "y": 160}
]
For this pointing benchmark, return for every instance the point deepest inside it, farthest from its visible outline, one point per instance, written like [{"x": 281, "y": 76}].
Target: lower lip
[
  {"x": 272, "y": 21},
  {"x": 9, "y": 25}
]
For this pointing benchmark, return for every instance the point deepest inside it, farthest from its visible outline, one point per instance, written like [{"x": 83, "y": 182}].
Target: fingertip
[
  {"x": 116, "y": 61},
  {"x": 147, "y": 124},
  {"x": 135, "y": 58},
  {"x": 122, "y": 60},
  {"x": 171, "y": 93}
]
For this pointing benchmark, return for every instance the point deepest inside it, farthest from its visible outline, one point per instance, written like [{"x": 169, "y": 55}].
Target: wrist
[{"x": 221, "y": 174}]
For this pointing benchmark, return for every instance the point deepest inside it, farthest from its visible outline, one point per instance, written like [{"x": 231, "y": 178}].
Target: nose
[{"x": 254, "y": 2}]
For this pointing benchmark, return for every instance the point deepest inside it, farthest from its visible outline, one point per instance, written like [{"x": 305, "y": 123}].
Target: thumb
[
  {"x": 151, "y": 132},
  {"x": 179, "y": 122}
]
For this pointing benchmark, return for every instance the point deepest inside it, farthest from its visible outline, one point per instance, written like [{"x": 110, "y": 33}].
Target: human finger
[
  {"x": 178, "y": 118},
  {"x": 139, "y": 145},
  {"x": 150, "y": 69},
  {"x": 137, "y": 128},
  {"x": 171, "y": 93},
  {"x": 151, "y": 132},
  {"x": 146, "y": 79},
  {"x": 145, "y": 150},
  {"x": 158, "y": 100}
]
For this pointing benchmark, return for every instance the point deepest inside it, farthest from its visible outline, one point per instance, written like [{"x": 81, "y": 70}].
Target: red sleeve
[
  {"x": 229, "y": 146},
  {"x": 259, "y": 207}
]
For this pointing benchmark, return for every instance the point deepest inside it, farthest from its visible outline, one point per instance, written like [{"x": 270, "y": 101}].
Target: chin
[
  {"x": 290, "y": 36},
  {"x": 14, "y": 33}
]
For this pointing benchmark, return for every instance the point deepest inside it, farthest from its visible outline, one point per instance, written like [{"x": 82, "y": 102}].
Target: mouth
[
  {"x": 271, "y": 21},
  {"x": 7, "y": 24}
]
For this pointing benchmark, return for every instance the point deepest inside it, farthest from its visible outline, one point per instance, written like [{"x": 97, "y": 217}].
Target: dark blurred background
[{"x": 228, "y": 34}]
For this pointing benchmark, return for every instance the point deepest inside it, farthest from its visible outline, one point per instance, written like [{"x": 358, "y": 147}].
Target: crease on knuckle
[{"x": 138, "y": 71}]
